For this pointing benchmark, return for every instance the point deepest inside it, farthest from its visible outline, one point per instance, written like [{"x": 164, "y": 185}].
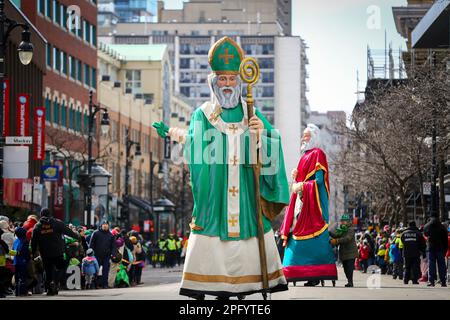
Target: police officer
[
  {"x": 47, "y": 238},
  {"x": 413, "y": 247},
  {"x": 172, "y": 251}
]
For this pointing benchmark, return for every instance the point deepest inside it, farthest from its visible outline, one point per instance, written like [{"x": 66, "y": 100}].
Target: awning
[{"x": 433, "y": 31}]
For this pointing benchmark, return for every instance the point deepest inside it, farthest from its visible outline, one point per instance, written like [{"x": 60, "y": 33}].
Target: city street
[{"x": 163, "y": 284}]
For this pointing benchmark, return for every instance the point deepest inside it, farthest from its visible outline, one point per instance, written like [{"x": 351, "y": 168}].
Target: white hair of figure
[{"x": 314, "y": 142}]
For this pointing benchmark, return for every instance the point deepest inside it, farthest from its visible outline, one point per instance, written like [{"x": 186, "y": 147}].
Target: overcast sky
[{"x": 337, "y": 34}]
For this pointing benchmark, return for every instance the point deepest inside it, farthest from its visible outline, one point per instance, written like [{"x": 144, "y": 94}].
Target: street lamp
[
  {"x": 160, "y": 176},
  {"x": 25, "y": 52},
  {"x": 93, "y": 110},
  {"x": 137, "y": 153},
  {"x": 25, "y": 48}
]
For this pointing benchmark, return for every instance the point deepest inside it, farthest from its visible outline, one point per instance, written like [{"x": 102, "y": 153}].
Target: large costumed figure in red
[{"x": 308, "y": 254}]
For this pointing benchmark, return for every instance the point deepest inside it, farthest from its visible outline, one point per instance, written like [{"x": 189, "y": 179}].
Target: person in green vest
[
  {"x": 222, "y": 258},
  {"x": 162, "y": 251},
  {"x": 171, "y": 246}
]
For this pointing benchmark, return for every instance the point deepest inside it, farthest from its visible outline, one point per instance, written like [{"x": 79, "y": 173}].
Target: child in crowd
[
  {"x": 89, "y": 268},
  {"x": 21, "y": 260},
  {"x": 364, "y": 252}
]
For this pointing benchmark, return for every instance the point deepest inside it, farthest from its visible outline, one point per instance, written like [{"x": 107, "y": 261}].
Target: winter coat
[
  {"x": 413, "y": 243},
  {"x": 448, "y": 248},
  {"x": 90, "y": 266},
  {"x": 103, "y": 244},
  {"x": 21, "y": 247},
  {"x": 437, "y": 236},
  {"x": 48, "y": 238},
  {"x": 364, "y": 252},
  {"x": 394, "y": 253},
  {"x": 371, "y": 245},
  {"x": 346, "y": 244}
]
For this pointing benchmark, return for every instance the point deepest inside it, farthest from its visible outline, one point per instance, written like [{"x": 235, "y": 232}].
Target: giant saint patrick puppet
[
  {"x": 223, "y": 256},
  {"x": 308, "y": 255}
]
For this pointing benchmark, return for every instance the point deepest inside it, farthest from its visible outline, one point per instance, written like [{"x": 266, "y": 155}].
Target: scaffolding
[{"x": 385, "y": 64}]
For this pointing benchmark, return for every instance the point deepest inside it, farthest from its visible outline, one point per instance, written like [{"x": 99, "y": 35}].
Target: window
[
  {"x": 64, "y": 115},
  {"x": 94, "y": 78},
  {"x": 186, "y": 91},
  {"x": 71, "y": 117},
  {"x": 56, "y": 111},
  {"x": 56, "y": 12},
  {"x": 133, "y": 80},
  {"x": 48, "y": 105},
  {"x": 63, "y": 15},
  {"x": 78, "y": 121},
  {"x": 48, "y": 6},
  {"x": 49, "y": 55},
  {"x": 56, "y": 61},
  {"x": 80, "y": 29},
  {"x": 64, "y": 62},
  {"x": 268, "y": 92},
  {"x": 94, "y": 36},
  {"x": 79, "y": 72},
  {"x": 86, "y": 123},
  {"x": 41, "y": 6},
  {"x": 86, "y": 75},
  {"x": 72, "y": 67},
  {"x": 87, "y": 31}
]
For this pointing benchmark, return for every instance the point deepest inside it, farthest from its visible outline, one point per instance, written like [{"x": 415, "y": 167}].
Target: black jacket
[
  {"x": 102, "y": 242},
  {"x": 437, "y": 236},
  {"x": 48, "y": 238},
  {"x": 413, "y": 243}
]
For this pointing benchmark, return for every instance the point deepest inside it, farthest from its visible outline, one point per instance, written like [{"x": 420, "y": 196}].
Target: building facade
[
  {"x": 19, "y": 195},
  {"x": 137, "y": 92},
  {"x": 190, "y": 32},
  {"x": 71, "y": 73}
]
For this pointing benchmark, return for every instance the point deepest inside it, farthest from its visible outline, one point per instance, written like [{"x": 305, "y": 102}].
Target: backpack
[{"x": 116, "y": 257}]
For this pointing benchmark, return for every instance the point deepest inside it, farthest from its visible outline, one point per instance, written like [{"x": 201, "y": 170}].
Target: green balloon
[{"x": 161, "y": 128}]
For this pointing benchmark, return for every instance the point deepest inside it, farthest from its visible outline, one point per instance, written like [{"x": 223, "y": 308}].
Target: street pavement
[{"x": 163, "y": 284}]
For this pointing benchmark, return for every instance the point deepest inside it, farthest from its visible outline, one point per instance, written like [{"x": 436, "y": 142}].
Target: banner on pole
[
  {"x": 6, "y": 90},
  {"x": 39, "y": 133},
  {"x": 23, "y": 109}
]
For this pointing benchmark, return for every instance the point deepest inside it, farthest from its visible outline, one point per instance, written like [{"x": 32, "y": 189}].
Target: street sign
[
  {"x": 167, "y": 148},
  {"x": 50, "y": 173},
  {"x": 19, "y": 140},
  {"x": 427, "y": 188}
]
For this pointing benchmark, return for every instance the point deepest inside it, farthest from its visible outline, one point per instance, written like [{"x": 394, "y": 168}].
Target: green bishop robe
[{"x": 210, "y": 180}]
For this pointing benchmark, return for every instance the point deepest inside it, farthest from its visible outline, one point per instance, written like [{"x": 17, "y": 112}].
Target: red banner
[
  {"x": 39, "y": 133},
  {"x": 23, "y": 109},
  {"x": 6, "y": 91},
  {"x": 59, "y": 192}
]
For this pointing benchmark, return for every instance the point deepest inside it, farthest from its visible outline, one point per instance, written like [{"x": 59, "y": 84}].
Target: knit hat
[
  {"x": 4, "y": 224},
  {"x": 120, "y": 242},
  {"x": 45, "y": 212},
  {"x": 90, "y": 252}
]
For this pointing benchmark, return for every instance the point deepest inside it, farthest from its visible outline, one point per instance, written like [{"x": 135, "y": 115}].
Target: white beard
[
  {"x": 311, "y": 144},
  {"x": 227, "y": 100}
]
